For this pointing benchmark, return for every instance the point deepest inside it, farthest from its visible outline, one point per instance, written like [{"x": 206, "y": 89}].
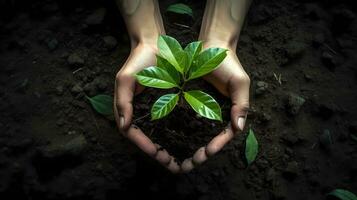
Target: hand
[
  {"x": 141, "y": 56},
  {"x": 231, "y": 80}
]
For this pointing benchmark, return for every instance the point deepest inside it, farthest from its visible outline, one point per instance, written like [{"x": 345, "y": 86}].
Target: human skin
[{"x": 222, "y": 22}]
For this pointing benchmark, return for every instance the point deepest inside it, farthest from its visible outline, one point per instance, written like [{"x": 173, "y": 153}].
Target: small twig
[
  {"x": 77, "y": 70},
  {"x": 151, "y": 132},
  {"x": 313, "y": 145},
  {"x": 278, "y": 78},
  {"x": 182, "y": 25},
  {"x": 333, "y": 51},
  {"x": 142, "y": 117}
]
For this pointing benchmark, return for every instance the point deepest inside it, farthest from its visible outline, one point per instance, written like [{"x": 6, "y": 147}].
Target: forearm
[
  {"x": 143, "y": 20},
  {"x": 223, "y": 21}
]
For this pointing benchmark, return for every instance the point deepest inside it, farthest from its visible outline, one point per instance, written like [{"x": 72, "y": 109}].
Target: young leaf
[
  {"x": 251, "y": 147},
  {"x": 163, "y": 106},
  {"x": 206, "y": 62},
  {"x": 103, "y": 104},
  {"x": 164, "y": 64},
  {"x": 192, "y": 49},
  {"x": 343, "y": 194},
  {"x": 171, "y": 50},
  {"x": 180, "y": 8},
  {"x": 155, "y": 77},
  {"x": 204, "y": 104}
]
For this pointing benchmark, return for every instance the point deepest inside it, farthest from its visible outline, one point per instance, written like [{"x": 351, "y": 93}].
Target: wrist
[
  {"x": 224, "y": 39},
  {"x": 144, "y": 40},
  {"x": 221, "y": 43},
  {"x": 144, "y": 46}
]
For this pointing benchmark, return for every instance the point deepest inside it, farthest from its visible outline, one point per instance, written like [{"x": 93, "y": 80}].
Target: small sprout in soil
[
  {"x": 174, "y": 68},
  {"x": 251, "y": 147},
  {"x": 103, "y": 104},
  {"x": 343, "y": 194},
  {"x": 180, "y": 8}
]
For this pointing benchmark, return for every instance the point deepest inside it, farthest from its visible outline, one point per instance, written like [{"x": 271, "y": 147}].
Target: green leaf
[
  {"x": 204, "y": 104},
  {"x": 180, "y": 8},
  {"x": 164, "y": 64},
  {"x": 103, "y": 104},
  {"x": 193, "y": 49},
  {"x": 171, "y": 50},
  {"x": 251, "y": 147},
  {"x": 206, "y": 62},
  {"x": 343, "y": 194},
  {"x": 163, "y": 106},
  {"x": 155, "y": 77}
]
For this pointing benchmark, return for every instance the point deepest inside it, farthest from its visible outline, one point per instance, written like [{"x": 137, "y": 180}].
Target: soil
[{"x": 300, "y": 56}]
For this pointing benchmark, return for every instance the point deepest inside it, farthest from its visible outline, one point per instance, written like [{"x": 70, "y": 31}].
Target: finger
[
  {"x": 187, "y": 165},
  {"x": 125, "y": 88},
  {"x": 218, "y": 142},
  {"x": 200, "y": 156},
  {"x": 162, "y": 155},
  {"x": 135, "y": 135},
  {"x": 239, "y": 93},
  {"x": 173, "y": 166}
]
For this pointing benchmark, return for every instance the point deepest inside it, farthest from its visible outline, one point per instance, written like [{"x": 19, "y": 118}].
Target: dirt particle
[
  {"x": 291, "y": 171},
  {"x": 76, "y": 89},
  {"x": 73, "y": 147},
  {"x": 295, "y": 49},
  {"x": 329, "y": 60},
  {"x": 261, "y": 88},
  {"x": 110, "y": 42},
  {"x": 295, "y": 103},
  {"x": 96, "y": 17},
  {"x": 59, "y": 90},
  {"x": 326, "y": 139},
  {"x": 52, "y": 44},
  {"x": 270, "y": 175},
  {"x": 75, "y": 60}
]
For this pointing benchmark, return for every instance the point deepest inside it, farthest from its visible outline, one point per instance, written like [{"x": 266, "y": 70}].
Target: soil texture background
[{"x": 300, "y": 56}]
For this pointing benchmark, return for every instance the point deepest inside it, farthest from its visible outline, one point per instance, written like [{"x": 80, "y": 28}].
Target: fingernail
[
  {"x": 241, "y": 123},
  {"x": 121, "y": 122}
]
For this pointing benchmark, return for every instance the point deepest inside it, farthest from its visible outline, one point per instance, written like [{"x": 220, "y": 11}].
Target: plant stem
[
  {"x": 181, "y": 103},
  {"x": 183, "y": 85}
]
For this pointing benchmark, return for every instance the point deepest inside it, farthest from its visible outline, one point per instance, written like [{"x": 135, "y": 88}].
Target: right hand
[{"x": 126, "y": 87}]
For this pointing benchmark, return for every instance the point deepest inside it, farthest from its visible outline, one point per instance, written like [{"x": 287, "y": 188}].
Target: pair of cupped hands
[{"x": 229, "y": 79}]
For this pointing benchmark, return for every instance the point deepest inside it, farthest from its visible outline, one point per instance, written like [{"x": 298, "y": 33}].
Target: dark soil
[{"x": 300, "y": 55}]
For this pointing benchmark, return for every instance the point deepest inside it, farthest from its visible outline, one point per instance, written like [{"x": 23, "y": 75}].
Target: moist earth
[{"x": 300, "y": 56}]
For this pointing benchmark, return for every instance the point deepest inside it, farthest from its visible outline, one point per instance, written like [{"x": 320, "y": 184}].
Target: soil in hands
[{"x": 183, "y": 131}]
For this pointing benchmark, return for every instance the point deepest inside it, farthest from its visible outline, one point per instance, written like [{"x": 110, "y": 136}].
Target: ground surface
[{"x": 301, "y": 57}]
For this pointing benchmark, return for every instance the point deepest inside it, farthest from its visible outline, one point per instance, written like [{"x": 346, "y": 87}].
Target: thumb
[
  {"x": 239, "y": 93},
  {"x": 124, "y": 93}
]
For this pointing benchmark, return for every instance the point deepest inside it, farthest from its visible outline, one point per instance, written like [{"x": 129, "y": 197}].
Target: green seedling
[
  {"x": 251, "y": 147},
  {"x": 174, "y": 68},
  {"x": 103, "y": 104},
  {"x": 180, "y": 8},
  {"x": 343, "y": 194}
]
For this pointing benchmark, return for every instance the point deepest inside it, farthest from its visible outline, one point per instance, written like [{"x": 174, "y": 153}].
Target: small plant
[
  {"x": 174, "y": 68},
  {"x": 343, "y": 194},
  {"x": 251, "y": 147},
  {"x": 180, "y": 8},
  {"x": 103, "y": 104}
]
